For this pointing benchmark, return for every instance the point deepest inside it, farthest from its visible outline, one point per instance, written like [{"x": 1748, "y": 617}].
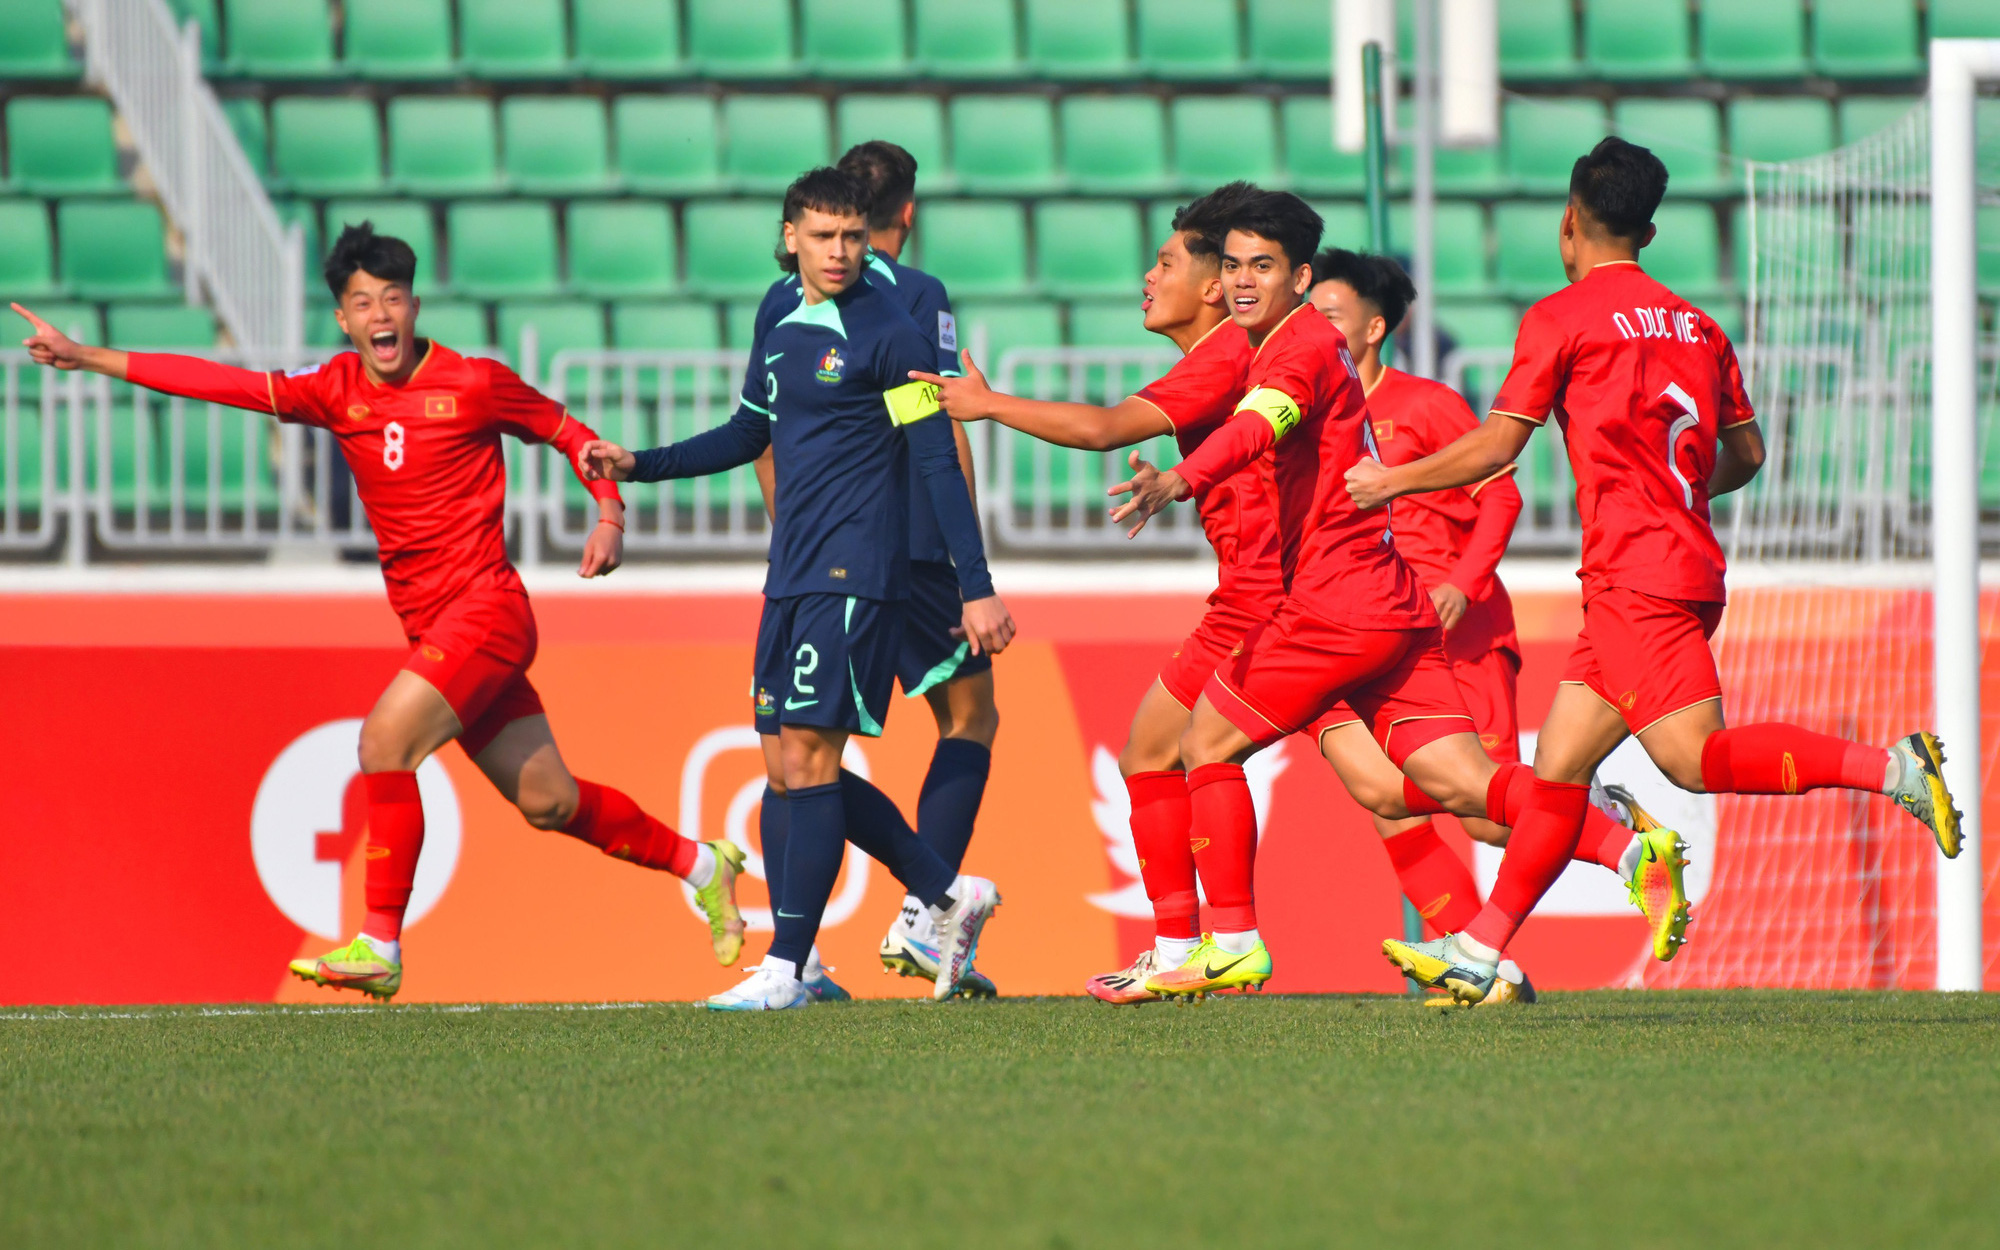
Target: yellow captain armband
[
  {"x": 911, "y": 402},
  {"x": 1274, "y": 406}
]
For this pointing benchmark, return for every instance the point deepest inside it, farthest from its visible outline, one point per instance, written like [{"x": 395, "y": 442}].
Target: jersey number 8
[{"x": 392, "y": 445}]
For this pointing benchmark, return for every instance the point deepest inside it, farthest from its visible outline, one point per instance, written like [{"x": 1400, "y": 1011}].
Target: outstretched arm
[
  {"x": 1266, "y": 416},
  {"x": 188, "y": 376},
  {"x": 736, "y": 442},
  {"x": 1472, "y": 457},
  {"x": 1084, "y": 426}
]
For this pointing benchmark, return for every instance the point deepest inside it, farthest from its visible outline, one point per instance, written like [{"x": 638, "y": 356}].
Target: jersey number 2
[{"x": 392, "y": 445}]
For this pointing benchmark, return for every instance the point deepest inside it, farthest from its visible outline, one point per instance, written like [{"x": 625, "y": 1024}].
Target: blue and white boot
[
  {"x": 819, "y": 986},
  {"x": 769, "y": 987}
]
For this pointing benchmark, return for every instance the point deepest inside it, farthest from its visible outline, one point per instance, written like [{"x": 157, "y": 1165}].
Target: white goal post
[{"x": 1957, "y": 66}]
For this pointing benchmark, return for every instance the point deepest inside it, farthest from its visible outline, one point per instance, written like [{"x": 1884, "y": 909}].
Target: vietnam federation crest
[{"x": 830, "y": 365}]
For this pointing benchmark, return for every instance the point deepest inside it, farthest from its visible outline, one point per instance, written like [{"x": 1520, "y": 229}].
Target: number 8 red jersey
[{"x": 1641, "y": 381}]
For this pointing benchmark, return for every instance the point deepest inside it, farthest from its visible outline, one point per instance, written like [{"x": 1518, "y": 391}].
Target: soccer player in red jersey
[
  {"x": 420, "y": 427},
  {"x": 1651, "y": 402},
  {"x": 1183, "y": 302}
]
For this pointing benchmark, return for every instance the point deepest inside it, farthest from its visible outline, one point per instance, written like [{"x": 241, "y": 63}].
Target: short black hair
[
  {"x": 359, "y": 248},
  {"x": 827, "y": 189},
  {"x": 1283, "y": 218},
  {"x": 888, "y": 172},
  {"x": 1205, "y": 221},
  {"x": 1377, "y": 279},
  {"x": 1619, "y": 185}
]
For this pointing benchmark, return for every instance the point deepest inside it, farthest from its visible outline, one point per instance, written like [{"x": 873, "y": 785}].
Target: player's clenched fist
[
  {"x": 603, "y": 460},
  {"x": 1368, "y": 483},
  {"x": 966, "y": 398},
  {"x": 986, "y": 625}
]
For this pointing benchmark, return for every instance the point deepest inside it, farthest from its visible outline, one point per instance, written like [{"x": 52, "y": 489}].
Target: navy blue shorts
[
  {"x": 930, "y": 656},
  {"x": 827, "y": 661}
]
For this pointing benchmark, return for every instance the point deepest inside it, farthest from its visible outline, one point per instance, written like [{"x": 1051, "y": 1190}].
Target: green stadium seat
[
  {"x": 679, "y": 326},
  {"x": 1964, "y": 19},
  {"x": 458, "y": 324},
  {"x": 398, "y": 40},
  {"x": 325, "y": 145},
  {"x": 162, "y": 325},
  {"x": 503, "y": 250},
  {"x": 1864, "y": 115},
  {"x": 1078, "y": 38},
  {"x": 854, "y": 38},
  {"x": 667, "y": 144},
  {"x": 1089, "y": 247},
  {"x": 252, "y": 130},
  {"x": 622, "y": 248},
  {"x": 1631, "y": 42},
  {"x": 442, "y": 145},
  {"x": 1004, "y": 143},
  {"x": 1987, "y": 243},
  {"x": 977, "y": 247},
  {"x": 1115, "y": 144},
  {"x": 1779, "y": 129},
  {"x": 408, "y": 220},
  {"x": 1291, "y": 38},
  {"x": 280, "y": 38},
  {"x": 1686, "y": 253},
  {"x": 739, "y": 322},
  {"x": 1686, "y": 135},
  {"x": 729, "y": 246},
  {"x": 1110, "y": 323},
  {"x": 555, "y": 145},
  {"x": 1545, "y": 136},
  {"x": 33, "y": 43},
  {"x": 1346, "y": 224},
  {"x": 960, "y": 39},
  {"x": 912, "y": 122},
  {"x": 1221, "y": 138},
  {"x": 1189, "y": 39},
  {"x": 62, "y": 145},
  {"x": 1003, "y": 325},
  {"x": 1753, "y": 38},
  {"x": 1459, "y": 240},
  {"x": 208, "y": 14},
  {"x": 1866, "y": 39},
  {"x": 513, "y": 38},
  {"x": 560, "y": 325},
  {"x": 1538, "y": 40},
  {"x": 772, "y": 139},
  {"x": 741, "y": 38},
  {"x": 27, "y": 250},
  {"x": 1312, "y": 164},
  {"x": 112, "y": 249},
  {"x": 628, "y": 38},
  {"x": 1527, "y": 263}
]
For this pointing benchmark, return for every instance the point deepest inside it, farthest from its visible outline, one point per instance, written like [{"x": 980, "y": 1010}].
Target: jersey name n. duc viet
[{"x": 1640, "y": 381}]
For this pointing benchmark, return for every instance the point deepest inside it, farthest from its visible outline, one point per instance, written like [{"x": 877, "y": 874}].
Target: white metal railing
[{"x": 251, "y": 267}]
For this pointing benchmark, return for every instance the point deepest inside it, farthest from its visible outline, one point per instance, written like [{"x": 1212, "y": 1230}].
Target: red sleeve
[
  {"x": 1241, "y": 439},
  {"x": 1541, "y": 368},
  {"x": 1499, "y": 502},
  {"x": 1194, "y": 395},
  {"x": 1736, "y": 409},
  {"x": 289, "y": 397},
  {"x": 533, "y": 417}
]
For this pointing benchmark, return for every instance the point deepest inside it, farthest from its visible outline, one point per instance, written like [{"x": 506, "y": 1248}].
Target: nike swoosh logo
[
  {"x": 793, "y": 705},
  {"x": 791, "y": 915},
  {"x": 1652, "y": 856},
  {"x": 769, "y": 359},
  {"x": 1210, "y": 971}
]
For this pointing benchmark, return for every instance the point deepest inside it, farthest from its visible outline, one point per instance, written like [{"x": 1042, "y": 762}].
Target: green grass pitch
[{"x": 1684, "y": 1120}]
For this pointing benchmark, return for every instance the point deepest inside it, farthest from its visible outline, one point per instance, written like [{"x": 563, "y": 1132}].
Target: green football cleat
[
  {"x": 1657, "y": 887},
  {"x": 718, "y": 902},
  {"x": 355, "y": 966},
  {"x": 1922, "y": 793},
  {"x": 1210, "y": 968}
]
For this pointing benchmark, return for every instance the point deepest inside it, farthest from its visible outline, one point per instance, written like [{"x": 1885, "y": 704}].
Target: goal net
[{"x": 1830, "y": 617}]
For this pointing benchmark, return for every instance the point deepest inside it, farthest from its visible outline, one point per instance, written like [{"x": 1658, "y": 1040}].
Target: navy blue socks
[
  {"x": 949, "y": 801},
  {"x": 876, "y": 825},
  {"x": 813, "y": 850}
]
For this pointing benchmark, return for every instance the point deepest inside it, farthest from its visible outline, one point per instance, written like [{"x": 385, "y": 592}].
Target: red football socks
[
  {"x": 1225, "y": 844},
  {"x": 613, "y": 823},
  {"x": 1417, "y": 803},
  {"x": 1545, "y": 837},
  {"x": 395, "y": 839},
  {"x": 1603, "y": 840},
  {"x": 1436, "y": 881},
  {"x": 1776, "y": 758},
  {"x": 1161, "y": 821}
]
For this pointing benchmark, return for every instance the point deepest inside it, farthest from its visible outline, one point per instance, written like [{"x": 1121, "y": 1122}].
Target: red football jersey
[
  {"x": 425, "y": 455},
  {"x": 1304, "y": 403},
  {"x": 1641, "y": 381},
  {"x": 1436, "y": 531},
  {"x": 1239, "y": 516}
]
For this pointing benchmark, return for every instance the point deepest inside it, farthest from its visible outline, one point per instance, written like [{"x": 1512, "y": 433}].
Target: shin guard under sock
[
  {"x": 1776, "y": 758},
  {"x": 610, "y": 821},
  {"x": 1436, "y": 881},
  {"x": 1162, "y": 823},
  {"x": 1544, "y": 838},
  {"x": 1225, "y": 844},
  {"x": 876, "y": 825},
  {"x": 948, "y": 804},
  {"x": 773, "y": 825},
  {"x": 395, "y": 839},
  {"x": 817, "y": 844}
]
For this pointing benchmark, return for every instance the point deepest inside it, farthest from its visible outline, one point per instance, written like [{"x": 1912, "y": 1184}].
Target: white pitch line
[{"x": 344, "y": 1010}]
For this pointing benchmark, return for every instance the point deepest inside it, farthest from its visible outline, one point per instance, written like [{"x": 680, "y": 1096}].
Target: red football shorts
[
  {"x": 1295, "y": 668},
  {"x": 1647, "y": 657},
  {"x": 477, "y": 654},
  {"x": 1222, "y": 627},
  {"x": 1486, "y": 686}
]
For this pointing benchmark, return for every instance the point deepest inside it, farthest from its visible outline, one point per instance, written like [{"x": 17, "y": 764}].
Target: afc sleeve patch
[
  {"x": 911, "y": 402},
  {"x": 1274, "y": 406},
  {"x": 947, "y": 332}
]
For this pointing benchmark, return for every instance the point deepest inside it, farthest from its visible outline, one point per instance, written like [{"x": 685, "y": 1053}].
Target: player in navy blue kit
[{"x": 828, "y": 391}]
